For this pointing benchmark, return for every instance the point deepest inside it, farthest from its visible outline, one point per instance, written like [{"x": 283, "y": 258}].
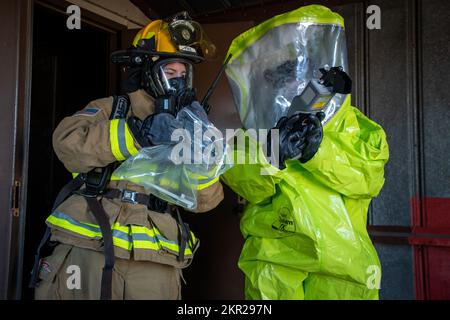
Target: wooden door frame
[{"x": 15, "y": 63}]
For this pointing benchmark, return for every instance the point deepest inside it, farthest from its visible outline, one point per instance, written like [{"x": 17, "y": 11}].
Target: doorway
[{"x": 70, "y": 68}]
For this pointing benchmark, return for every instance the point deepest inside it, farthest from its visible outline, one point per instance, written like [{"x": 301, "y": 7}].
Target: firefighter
[{"x": 111, "y": 239}]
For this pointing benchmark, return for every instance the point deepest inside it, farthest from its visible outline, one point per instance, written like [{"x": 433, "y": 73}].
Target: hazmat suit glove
[
  {"x": 155, "y": 130},
  {"x": 300, "y": 136},
  {"x": 313, "y": 137}
]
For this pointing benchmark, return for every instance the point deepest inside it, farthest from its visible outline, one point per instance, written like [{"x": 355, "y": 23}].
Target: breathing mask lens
[{"x": 174, "y": 76}]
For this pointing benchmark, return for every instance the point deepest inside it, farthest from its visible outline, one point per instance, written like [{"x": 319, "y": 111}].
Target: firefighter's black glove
[
  {"x": 300, "y": 136},
  {"x": 197, "y": 109},
  {"x": 155, "y": 130}
]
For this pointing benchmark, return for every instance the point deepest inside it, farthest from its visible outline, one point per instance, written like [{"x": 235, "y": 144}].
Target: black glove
[
  {"x": 300, "y": 136},
  {"x": 196, "y": 108},
  {"x": 337, "y": 79},
  {"x": 156, "y": 129}
]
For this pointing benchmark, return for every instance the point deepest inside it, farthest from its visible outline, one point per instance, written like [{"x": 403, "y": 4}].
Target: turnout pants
[{"x": 73, "y": 273}]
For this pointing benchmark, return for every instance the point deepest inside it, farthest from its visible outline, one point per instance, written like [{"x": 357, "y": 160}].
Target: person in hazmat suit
[
  {"x": 111, "y": 239},
  {"x": 305, "y": 219}
]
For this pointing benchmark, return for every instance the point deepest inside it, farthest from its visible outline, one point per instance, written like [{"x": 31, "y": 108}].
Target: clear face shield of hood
[{"x": 284, "y": 66}]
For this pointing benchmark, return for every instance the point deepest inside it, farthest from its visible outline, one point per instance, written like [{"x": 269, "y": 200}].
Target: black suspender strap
[
  {"x": 183, "y": 236},
  {"x": 102, "y": 219},
  {"x": 67, "y": 190},
  {"x": 37, "y": 259}
]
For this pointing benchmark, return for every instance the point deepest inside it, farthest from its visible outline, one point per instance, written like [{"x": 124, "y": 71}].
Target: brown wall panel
[{"x": 223, "y": 112}]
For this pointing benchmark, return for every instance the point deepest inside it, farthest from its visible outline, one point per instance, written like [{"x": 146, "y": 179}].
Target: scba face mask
[
  {"x": 276, "y": 67},
  {"x": 173, "y": 79}
]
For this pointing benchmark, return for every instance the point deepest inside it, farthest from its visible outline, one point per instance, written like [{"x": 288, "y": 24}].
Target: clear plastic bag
[{"x": 175, "y": 173}]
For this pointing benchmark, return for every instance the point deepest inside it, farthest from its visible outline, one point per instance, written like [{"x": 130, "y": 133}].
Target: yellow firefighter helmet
[{"x": 178, "y": 36}]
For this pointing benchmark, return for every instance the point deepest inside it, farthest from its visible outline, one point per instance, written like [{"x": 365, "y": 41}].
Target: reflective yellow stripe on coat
[
  {"x": 122, "y": 143},
  {"x": 125, "y": 237},
  {"x": 200, "y": 182}
]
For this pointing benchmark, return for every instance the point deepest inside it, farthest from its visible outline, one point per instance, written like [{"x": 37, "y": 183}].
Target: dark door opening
[{"x": 70, "y": 69}]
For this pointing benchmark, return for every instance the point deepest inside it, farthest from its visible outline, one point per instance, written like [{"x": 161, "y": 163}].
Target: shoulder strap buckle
[
  {"x": 96, "y": 181},
  {"x": 129, "y": 196}
]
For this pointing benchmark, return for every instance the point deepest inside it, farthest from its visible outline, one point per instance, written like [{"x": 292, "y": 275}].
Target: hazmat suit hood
[{"x": 276, "y": 60}]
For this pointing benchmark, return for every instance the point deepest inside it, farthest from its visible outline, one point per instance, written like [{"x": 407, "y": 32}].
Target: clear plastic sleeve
[{"x": 176, "y": 172}]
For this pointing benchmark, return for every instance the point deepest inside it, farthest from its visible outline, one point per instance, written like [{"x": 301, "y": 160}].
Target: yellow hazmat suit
[{"x": 305, "y": 226}]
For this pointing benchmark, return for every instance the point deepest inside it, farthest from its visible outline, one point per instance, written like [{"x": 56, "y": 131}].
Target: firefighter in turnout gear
[{"x": 122, "y": 242}]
